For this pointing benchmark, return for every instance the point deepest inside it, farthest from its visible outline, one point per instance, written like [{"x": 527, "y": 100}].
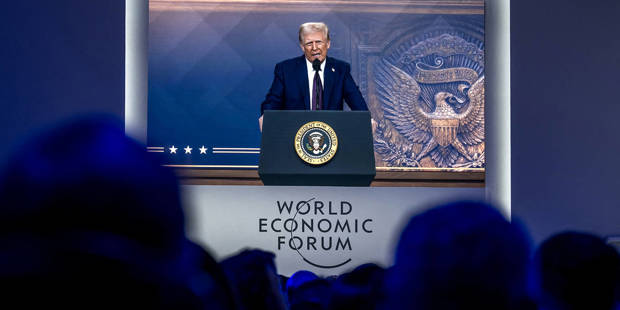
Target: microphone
[{"x": 316, "y": 65}]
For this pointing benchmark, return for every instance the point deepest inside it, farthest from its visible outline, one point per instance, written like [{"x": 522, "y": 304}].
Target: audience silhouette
[
  {"x": 359, "y": 289},
  {"x": 306, "y": 290},
  {"x": 89, "y": 219},
  {"x": 463, "y": 255},
  {"x": 255, "y": 280},
  {"x": 574, "y": 270}
]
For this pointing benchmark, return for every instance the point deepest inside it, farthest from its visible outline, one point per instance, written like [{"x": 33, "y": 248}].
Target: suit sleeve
[
  {"x": 275, "y": 97},
  {"x": 352, "y": 94}
]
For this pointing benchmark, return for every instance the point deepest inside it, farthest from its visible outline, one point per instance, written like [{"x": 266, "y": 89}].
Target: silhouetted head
[
  {"x": 299, "y": 278},
  {"x": 306, "y": 290},
  {"x": 88, "y": 176},
  {"x": 313, "y": 294},
  {"x": 575, "y": 271},
  {"x": 254, "y": 277},
  {"x": 88, "y": 217},
  {"x": 463, "y": 255},
  {"x": 359, "y": 289}
]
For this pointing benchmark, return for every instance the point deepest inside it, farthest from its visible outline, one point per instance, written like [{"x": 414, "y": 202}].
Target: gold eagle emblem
[{"x": 442, "y": 128}]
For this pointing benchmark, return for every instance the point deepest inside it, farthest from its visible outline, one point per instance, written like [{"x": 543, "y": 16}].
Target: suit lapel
[
  {"x": 303, "y": 80},
  {"x": 328, "y": 75}
]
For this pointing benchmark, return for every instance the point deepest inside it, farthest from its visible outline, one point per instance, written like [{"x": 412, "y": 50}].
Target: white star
[
  {"x": 173, "y": 150},
  {"x": 188, "y": 150},
  {"x": 203, "y": 150}
]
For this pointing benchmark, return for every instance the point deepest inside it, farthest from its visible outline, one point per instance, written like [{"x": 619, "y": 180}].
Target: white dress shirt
[{"x": 311, "y": 79}]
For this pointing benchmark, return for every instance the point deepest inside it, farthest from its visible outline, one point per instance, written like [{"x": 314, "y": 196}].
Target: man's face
[{"x": 315, "y": 46}]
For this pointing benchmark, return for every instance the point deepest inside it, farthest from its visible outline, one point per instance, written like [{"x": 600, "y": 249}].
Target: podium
[{"x": 287, "y": 133}]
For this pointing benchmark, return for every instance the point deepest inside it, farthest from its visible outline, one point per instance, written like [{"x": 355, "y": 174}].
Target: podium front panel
[{"x": 352, "y": 165}]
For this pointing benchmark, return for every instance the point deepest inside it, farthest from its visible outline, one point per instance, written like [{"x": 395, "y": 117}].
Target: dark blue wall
[
  {"x": 59, "y": 59},
  {"x": 565, "y": 78}
]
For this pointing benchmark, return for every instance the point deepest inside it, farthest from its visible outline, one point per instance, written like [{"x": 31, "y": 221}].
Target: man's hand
[{"x": 260, "y": 123}]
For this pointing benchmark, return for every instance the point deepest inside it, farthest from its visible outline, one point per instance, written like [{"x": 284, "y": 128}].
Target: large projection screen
[
  {"x": 211, "y": 64},
  {"x": 278, "y": 42}
]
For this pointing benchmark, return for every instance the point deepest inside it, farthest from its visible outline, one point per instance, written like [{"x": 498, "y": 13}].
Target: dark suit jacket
[{"x": 289, "y": 89}]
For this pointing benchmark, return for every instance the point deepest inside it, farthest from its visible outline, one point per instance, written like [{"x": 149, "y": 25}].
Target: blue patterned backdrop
[{"x": 211, "y": 64}]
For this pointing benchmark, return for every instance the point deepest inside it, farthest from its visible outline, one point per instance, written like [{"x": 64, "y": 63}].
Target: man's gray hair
[{"x": 312, "y": 27}]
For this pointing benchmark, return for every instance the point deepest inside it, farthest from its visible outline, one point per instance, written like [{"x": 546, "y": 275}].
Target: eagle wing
[
  {"x": 398, "y": 94},
  {"x": 471, "y": 125}
]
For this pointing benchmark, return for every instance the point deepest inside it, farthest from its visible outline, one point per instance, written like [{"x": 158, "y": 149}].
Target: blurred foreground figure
[
  {"x": 463, "y": 255},
  {"x": 307, "y": 291},
  {"x": 88, "y": 219},
  {"x": 359, "y": 289},
  {"x": 575, "y": 271},
  {"x": 253, "y": 276}
]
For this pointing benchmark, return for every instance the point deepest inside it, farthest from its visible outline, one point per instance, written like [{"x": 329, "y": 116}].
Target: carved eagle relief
[{"x": 443, "y": 132}]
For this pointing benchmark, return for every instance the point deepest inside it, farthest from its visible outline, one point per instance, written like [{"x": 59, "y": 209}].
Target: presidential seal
[{"x": 316, "y": 143}]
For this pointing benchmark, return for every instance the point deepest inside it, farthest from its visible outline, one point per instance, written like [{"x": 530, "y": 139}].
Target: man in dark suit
[{"x": 313, "y": 81}]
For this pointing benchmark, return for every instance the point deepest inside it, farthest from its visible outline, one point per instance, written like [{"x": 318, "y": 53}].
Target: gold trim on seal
[{"x": 321, "y": 159}]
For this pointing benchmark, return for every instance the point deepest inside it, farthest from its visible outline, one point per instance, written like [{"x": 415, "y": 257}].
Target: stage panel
[{"x": 327, "y": 230}]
